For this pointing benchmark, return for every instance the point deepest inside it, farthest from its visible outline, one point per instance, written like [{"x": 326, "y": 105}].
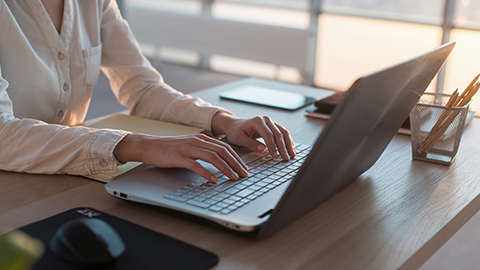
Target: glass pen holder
[{"x": 436, "y": 129}]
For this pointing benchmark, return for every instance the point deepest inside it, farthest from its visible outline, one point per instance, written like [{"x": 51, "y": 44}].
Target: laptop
[{"x": 278, "y": 192}]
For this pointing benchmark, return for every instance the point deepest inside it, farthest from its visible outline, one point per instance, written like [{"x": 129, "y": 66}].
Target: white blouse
[{"x": 46, "y": 82}]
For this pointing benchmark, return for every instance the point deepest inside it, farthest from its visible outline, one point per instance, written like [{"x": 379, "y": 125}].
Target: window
[{"x": 352, "y": 37}]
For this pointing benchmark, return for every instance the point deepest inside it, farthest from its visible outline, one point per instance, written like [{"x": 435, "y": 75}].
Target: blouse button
[
  {"x": 66, "y": 87},
  {"x": 60, "y": 114},
  {"x": 61, "y": 56},
  {"x": 103, "y": 163}
]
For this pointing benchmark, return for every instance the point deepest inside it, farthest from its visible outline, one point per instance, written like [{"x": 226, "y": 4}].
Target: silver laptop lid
[{"x": 359, "y": 130}]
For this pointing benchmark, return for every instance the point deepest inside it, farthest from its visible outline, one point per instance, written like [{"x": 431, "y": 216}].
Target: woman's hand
[
  {"x": 244, "y": 132},
  {"x": 182, "y": 152}
]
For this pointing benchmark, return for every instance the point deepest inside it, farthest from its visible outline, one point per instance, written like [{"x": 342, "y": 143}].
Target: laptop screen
[{"x": 361, "y": 127}]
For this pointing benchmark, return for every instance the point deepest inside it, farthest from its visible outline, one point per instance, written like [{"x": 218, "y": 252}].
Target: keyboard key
[
  {"x": 267, "y": 181},
  {"x": 274, "y": 177},
  {"x": 204, "y": 196},
  {"x": 245, "y": 193},
  {"x": 222, "y": 195},
  {"x": 238, "y": 204},
  {"x": 211, "y": 192},
  {"x": 224, "y": 186},
  {"x": 202, "y": 189},
  {"x": 258, "y": 194},
  {"x": 302, "y": 146},
  {"x": 264, "y": 190},
  {"x": 216, "y": 199},
  {"x": 229, "y": 201},
  {"x": 254, "y": 187},
  {"x": 222, "y": 204},
  {"x": 254, "y": 171},
  {"x": 260, "y": 184},
  {"x": 198, "y": 204},
  {"x": 210, "y": 202},
  {"x": 175, "y": 198},
  {"x": 198, "y": 199},
  {"x": 248, "y": 182},
  {"x": 271, "y": 186},
  {"x": 178, "y": 193},
  {"x": 241, "y": 186},
  {"x": 272, "y": 170},
  {"x": 232, "y": 190},
  {"x": 225, "y": 211},
  {"x": 196, "y": 192},
  {"x": 277, "y": 183},
  {"x": 215, "y": 208},
  {"x": 235, "y": 198},
  {"x": 232, "y": 207},
  {"x": 188, "y": 196},
  {"x": 210, "y": 185}
]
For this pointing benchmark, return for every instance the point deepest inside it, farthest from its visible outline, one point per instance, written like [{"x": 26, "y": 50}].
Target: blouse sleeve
[
  {"x": 138, "y": 85},
  {"x": 33, "y": 146}
]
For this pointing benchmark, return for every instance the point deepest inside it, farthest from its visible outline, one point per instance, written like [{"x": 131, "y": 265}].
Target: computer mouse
[{"x": 87, "y": 241}]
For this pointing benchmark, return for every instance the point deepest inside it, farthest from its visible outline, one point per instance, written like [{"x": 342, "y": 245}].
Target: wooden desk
[{"x": 395, "y": 216}]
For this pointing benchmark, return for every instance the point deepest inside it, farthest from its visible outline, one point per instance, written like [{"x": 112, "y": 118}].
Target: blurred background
[
  {"x": 326, "y": 43},
  {"x": 196, "y": 44}
]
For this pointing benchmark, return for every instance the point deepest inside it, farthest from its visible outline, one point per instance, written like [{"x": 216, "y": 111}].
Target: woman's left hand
[{"x": 244, "y": 132}]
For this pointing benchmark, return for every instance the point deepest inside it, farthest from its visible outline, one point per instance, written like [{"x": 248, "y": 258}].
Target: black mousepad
[{"x": 145, "y": 249}]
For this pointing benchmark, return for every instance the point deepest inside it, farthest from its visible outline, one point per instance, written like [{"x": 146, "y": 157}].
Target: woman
[{"x": 51, "y": 53}]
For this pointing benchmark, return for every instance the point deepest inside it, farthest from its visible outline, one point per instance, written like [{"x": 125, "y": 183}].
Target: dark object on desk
[
  {"x": 145, "y": 249},
  {"x": 87, "y": 241},
  {"x": 268, "y": 97},
  {"x": 325, "y": 106}
]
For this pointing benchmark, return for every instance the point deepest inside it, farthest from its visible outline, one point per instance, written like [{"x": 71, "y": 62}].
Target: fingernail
[
  {"x": 214, "y": 179},
  {"x": 244, "y": 174},
  {"x": 261, "y": 148},
  {"x": 234, "y": 177}
]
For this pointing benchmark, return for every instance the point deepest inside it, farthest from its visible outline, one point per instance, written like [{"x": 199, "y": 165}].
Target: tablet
[{"x": 268, "y": 97}]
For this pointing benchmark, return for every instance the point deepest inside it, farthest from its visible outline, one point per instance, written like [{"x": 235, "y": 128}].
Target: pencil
[{"x": 448, "y": 116}]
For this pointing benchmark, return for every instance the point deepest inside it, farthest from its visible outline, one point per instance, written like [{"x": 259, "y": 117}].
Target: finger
[
  {"x": 250, "y": 136},
  {"x": 225, "y": 152},
  {"x": 273, "y": 138},
  {"x": 197, "y": 168},
  {"x": 231, "y": 152},
  {"x": 189, "y": 154},
  {"x": 289, "y": 143},
  {"x": 260, "y": 126},
  {"x": 278, "y": 137},
  {"x": 219, "y": 155},
  {"x": 213, "y": 158}
]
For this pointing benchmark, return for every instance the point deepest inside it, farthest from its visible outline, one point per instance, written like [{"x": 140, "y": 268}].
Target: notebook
[{"x": 361, "y": 127}]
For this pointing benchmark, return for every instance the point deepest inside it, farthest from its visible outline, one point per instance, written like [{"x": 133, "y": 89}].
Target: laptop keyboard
[{"x": 226, "y": 196}]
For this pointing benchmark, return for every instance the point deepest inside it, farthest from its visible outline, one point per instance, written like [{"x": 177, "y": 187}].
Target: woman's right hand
[{"x": 182, "y": 152}]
